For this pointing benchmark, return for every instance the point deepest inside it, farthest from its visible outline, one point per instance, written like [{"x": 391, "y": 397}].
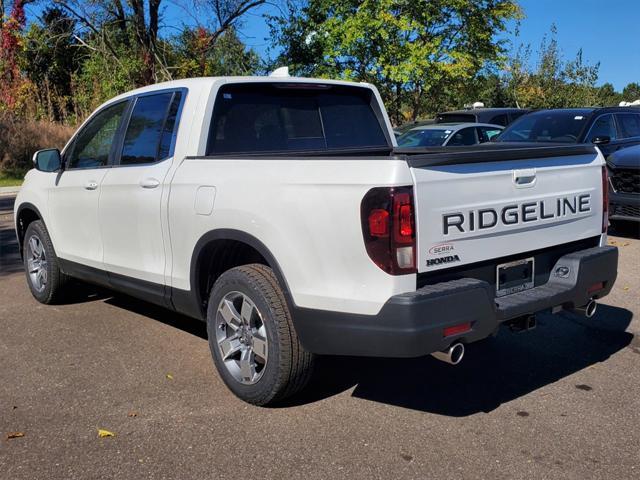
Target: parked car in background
[
  {"x": 494, "y": 116},
  {"x": 609, "y": 128},
  {"x": 624, "y": 184},
  {"x": 445, "y": 134}
]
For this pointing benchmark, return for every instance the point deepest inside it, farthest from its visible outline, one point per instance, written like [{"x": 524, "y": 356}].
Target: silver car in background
[{"x": 448, "y": 135}]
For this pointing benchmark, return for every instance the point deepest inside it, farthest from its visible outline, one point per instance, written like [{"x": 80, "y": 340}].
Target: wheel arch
[
  {"x": 237, "y": 238},
  {"x": 25, "y": 215}
]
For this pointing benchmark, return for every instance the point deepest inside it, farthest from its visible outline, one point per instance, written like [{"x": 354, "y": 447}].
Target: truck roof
[{"x": 208, "y": 82}]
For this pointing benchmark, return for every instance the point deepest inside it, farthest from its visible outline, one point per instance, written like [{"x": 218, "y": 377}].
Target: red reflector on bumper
[
  {"x": 456, "y": 329},
  {"x": 595, "y": 287}
]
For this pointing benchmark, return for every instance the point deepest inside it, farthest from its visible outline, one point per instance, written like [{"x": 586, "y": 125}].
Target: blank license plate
[{"x": 514, "y": 277}]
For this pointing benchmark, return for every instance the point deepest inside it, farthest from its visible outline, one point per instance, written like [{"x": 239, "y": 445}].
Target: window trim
[
  {"x": 68, "y": 151},
  {"x": 174, "y": 135}
]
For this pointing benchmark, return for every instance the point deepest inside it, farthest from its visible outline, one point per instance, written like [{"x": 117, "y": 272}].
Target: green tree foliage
[
  {"x": 229, "y": 56},
  {"x": 552, "y": 82},
  {"x": 411, "y": 49},
  {"x": 49, "y": 59},
  {"x": 631, "y": 92}
]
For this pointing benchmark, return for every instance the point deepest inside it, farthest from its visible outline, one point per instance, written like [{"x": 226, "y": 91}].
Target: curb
[{"x": 9, "y": 190}]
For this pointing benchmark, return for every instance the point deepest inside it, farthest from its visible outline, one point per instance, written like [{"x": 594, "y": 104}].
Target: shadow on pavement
[{"x": 493, "y": 372}]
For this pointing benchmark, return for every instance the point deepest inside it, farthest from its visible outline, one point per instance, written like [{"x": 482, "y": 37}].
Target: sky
[{"x": 608, "y": 31}]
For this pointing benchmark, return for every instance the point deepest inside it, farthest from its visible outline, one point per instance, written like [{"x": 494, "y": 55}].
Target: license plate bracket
[{"x": 514, "y": 277}]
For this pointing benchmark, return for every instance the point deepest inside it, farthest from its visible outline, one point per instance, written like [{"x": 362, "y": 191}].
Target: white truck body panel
[{"x": 492, "y": 186}]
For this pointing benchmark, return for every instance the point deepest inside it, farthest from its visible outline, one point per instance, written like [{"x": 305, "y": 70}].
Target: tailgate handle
[{"x": 524, "y": 178}]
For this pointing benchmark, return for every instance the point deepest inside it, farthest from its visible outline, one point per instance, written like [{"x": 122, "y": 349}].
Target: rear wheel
[
  {"x": 252, "y": 339},
  {"x": 46, "y": 281}
]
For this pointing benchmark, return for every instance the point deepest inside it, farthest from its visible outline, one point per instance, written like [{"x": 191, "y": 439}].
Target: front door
[{"x": 73, "y": 200}]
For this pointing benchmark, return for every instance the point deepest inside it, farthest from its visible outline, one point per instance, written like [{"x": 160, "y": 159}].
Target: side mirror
[
  {"x": 48, "y": 160},
  {"x": 601, "y": 140}
]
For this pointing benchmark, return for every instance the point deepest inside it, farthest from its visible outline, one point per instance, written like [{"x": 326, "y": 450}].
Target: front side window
[
  {"x": 602, "y": 127},
  {"x": 93, "y": 144},
  {"x": 150, "y": 130},
  {"x": 258, "y": 118},
  {"x": 629, "y": 124},
  {"x": 466, "y": 136}
]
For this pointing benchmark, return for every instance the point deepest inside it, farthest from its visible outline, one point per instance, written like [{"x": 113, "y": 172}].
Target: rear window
[
  {"x": 260, "y": 118},
  {"x": 424, "y": 138},
  {"x": 549, "y": 126}
]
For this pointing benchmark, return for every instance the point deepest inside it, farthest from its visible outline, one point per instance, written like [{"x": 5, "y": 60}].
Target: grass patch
[{"x": 11, "y": 179}]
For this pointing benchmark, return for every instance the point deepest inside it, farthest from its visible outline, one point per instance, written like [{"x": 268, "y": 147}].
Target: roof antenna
[{"x": 280, "y": 72}]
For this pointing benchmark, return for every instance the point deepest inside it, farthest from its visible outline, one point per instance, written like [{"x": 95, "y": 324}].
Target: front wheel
[
  {"x": 252, "y": 339},
  {"x": 46, "y": 280}
]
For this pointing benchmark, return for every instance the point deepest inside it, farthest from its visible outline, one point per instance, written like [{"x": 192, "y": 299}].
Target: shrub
[{"x": 20, "y": 138}]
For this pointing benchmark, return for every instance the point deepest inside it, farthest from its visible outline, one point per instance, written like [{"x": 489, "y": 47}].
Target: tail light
[
  {"x": 388, "y": 226},
  {"x": 605, "y": 199}
]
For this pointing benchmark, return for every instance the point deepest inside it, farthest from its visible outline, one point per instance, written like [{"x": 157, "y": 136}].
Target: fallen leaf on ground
[
  {"x": 105, "y": 433},
  {"x": 626, "y": 289},
  {"x": 11, "y": 435},
  {"x": 169, "y": 376}
]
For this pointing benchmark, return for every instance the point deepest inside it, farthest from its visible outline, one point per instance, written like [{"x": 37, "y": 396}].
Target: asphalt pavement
[{"x": 561, "y": 401}]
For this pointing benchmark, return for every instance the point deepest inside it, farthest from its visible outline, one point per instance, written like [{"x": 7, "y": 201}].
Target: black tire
[
  {"x": 288, "y": 367},
  {"x": 54, "y": 287}
]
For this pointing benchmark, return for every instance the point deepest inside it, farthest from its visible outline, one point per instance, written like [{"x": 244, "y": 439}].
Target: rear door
[
  {"x": 133, "y": 190},
  {"x": 472, "y": 212}
]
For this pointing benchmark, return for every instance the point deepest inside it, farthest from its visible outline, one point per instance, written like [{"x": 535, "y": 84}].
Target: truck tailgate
[{"x": 469, "y": 211}]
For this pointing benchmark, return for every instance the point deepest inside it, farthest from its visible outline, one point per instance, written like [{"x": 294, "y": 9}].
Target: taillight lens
[
  {"x": 388, "y": 226},
  {"x": 605, "y": 199}
]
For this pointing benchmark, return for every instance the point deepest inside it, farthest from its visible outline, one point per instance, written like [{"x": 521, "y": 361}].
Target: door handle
[
  {"x": 524, "y": 178},
  {"x": 91, "y": 186},
  {"x": 149, "y": 183}
]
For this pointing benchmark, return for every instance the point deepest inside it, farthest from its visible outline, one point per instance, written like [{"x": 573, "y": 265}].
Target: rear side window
[
  {"x": 149, "y": 134},
  {"x": 263, "y": 118},
  {"x": 629, "y": 124}
]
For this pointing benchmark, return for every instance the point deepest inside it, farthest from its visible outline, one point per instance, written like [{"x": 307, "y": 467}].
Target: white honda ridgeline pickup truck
[{"x": 279, "y": 211}]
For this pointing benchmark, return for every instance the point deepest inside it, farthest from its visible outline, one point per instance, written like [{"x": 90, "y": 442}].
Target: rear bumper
[
  {"x": 412, "y": 324},
  {"x": 624, "y": 206}
]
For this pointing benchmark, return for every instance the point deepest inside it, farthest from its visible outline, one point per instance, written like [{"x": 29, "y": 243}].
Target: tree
[
  {"x": 11, "y": 28},
  {"x": 229, "y": 56},
  {"x": 113, "y": 26},
  {"x": 631, "y": 92},
  {"x": 411, "y": 49},
  {"x": 552, "y": 82},
  {"x": 50, "y": 58}
]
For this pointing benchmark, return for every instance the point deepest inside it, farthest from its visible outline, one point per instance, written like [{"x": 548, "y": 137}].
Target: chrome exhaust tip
[
  {"x": 588, "y": 310},
  {"x": 453, "y": 355}
]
